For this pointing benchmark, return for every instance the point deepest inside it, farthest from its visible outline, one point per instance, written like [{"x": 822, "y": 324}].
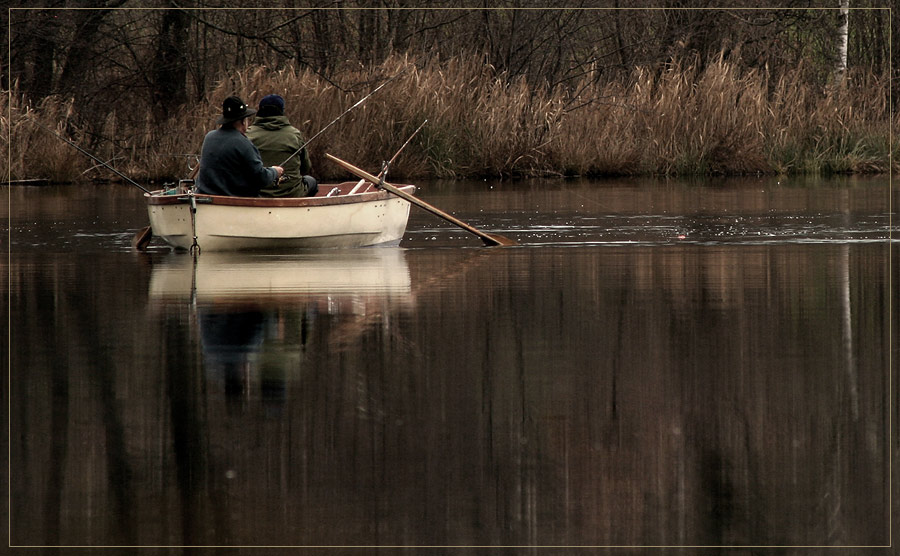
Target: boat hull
[{"x": 369, "y": 217}]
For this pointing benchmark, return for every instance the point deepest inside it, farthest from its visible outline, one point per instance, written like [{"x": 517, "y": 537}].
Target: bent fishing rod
[
  {"x": 360, "y": 101},
  {"x": 386, "y": 165},
  {"x": 94, "y": 158}
]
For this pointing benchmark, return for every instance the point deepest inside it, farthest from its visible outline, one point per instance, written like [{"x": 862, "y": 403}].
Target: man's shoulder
[
  {"x": 270, "y": 123},
  {"x": 224, "y": 134},
  {"x": 282, "y": 132}
]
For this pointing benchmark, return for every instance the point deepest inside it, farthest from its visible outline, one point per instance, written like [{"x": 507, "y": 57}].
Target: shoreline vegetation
[{"x": 681, "y": 119}]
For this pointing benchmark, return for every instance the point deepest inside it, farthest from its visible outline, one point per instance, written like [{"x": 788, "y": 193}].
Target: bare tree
[
  {"x": 177, "y": 50},
  {"x": 169, "y": 70},
  {"x": 842, "y": 42}
]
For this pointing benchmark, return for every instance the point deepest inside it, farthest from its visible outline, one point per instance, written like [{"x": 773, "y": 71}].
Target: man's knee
[{"x": 312, "y": 186}]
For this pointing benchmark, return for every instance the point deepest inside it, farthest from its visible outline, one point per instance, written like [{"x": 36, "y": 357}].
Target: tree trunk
[
  {"x": 80, "y": 53},
  {"x": 41, "y": 50},
  {"x": 170, "y": 64},
  {"x": 322, "y": 41},
  {"x": 843, "y": 35},
  {"x": 620, "y": 44}
]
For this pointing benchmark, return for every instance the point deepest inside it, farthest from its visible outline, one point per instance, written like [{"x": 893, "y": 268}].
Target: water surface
[{"x": 656, "y": 364}]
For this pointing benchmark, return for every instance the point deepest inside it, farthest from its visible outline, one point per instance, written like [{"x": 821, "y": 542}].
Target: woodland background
[{"x": 515, "y": 89}]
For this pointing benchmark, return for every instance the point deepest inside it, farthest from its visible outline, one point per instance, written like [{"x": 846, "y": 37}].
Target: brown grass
[{"x": 683, "y": 119}]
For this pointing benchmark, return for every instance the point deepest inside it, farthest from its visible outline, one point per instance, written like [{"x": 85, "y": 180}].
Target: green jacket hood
[{"x": 272, "y": 123}]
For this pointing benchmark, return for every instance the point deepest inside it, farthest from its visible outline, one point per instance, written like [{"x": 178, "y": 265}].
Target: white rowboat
[{"x": 340, "y": 215}]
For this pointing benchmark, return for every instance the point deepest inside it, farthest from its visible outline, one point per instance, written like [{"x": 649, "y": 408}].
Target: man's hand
[{"x": 280, "y": 171}]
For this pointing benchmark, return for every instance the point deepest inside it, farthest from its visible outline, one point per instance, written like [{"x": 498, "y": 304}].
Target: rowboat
[{"x": 348, "y": 214}]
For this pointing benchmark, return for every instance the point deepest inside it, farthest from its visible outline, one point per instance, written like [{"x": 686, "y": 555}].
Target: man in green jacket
[{"x": 277, "y": 139}]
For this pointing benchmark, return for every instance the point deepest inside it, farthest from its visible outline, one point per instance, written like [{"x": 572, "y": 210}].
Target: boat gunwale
[{"x": 159, "y": 198}]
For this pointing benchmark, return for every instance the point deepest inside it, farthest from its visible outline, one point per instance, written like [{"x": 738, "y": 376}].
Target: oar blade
[
  {"x": 498, "y": 240},
  {"x": 142, "y": 238}
]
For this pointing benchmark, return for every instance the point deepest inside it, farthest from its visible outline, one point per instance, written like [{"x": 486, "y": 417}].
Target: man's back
[
  {"x": 231, "y": 165},
  {"x": 277, "y": 140}
]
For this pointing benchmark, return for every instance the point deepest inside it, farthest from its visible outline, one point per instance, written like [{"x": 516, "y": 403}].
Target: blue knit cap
[{"x": 271, "y": 105}]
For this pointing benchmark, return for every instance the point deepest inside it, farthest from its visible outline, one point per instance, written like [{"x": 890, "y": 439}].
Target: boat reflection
[
  {"x": 234, "y": 278},
  {"x": 253, "y": 314}
]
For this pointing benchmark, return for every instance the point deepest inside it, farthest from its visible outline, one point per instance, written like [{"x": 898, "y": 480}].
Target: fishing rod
[
  {"x": 360, "y": 101},
  {"x": 385, "y": 165},
  {"x": 94, "y": 158}
]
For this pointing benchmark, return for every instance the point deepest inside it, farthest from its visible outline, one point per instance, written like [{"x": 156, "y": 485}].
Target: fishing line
[{"x": 92, "y": 157}]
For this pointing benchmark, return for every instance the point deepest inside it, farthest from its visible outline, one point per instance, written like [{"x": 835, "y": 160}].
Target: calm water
[{"x": 657, "y": 364}]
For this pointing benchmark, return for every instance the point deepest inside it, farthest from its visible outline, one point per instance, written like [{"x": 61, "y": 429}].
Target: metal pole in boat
[{"x": 195, "y": 247}]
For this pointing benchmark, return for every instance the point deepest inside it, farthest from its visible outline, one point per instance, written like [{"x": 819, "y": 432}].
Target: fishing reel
[
  {"x": 186, "y": 185},
  {"x": 183, "y": 186}
]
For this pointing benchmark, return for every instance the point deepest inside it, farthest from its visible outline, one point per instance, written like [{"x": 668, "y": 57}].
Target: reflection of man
[
  {"x": 236, "y": 342},
  {"x": 229, "y": 340}
]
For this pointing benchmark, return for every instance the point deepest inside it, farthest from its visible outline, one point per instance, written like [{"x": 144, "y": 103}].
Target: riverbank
[{"x": 684, "y": 119}]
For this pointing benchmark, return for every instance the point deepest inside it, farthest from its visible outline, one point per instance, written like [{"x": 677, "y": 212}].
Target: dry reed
[{"x": 687, "y": 118}]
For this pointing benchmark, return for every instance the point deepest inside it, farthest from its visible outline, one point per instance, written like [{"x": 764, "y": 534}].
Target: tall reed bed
[
  {"x": 687, "y": 118},
  {"x": 32, "y": 151},
  {"x": 725, "y": 120},
  {"x": 140, "y": 147}
]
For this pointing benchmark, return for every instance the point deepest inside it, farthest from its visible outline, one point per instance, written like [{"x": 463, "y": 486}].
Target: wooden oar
[
  {"x": 142, "y": 238},
  {"x": 488, "y": 239}
]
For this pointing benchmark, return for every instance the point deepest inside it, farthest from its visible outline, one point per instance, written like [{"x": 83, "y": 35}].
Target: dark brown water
[{"x": 657, "y": 364}]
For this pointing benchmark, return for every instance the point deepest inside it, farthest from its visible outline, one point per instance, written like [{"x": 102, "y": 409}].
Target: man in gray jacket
[{"x": 229, "y": 163}]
